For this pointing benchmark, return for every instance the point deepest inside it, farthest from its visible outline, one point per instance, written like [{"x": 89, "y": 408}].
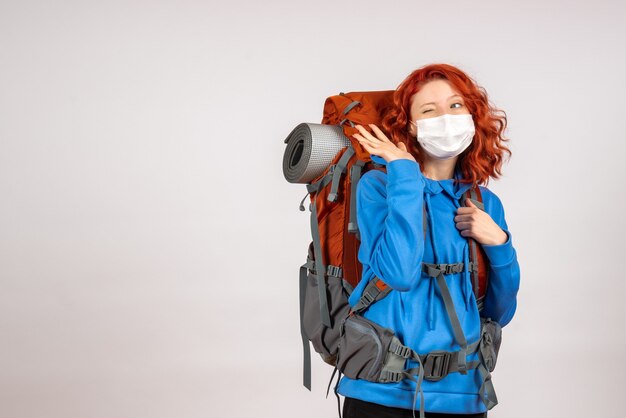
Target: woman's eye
[{"x": 460, "y": 105}]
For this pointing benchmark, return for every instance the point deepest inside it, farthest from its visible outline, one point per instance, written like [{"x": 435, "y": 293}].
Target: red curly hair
[{"x": 484, "y": 156}]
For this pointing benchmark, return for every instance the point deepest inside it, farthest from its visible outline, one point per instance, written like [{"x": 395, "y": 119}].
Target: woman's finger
[
  {"x": 367, "y": 147},
  {"x": 463, "y": 225},
  {"x": 366, "y": 134},
  {"x": 463, "y": 218},
  {"x": 362, "y": 140},
  {"x": 361, "y": 137},
  {"x": 381, "y": 135}
]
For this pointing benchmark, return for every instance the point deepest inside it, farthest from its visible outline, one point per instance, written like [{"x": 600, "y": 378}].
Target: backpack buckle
[
  {"x": 451, "y": 268},
  {"x": 436, "y": 365}
]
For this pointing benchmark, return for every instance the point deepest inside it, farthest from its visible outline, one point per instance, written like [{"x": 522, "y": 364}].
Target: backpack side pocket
[
  {"x": 363, "y": 348},
  {"x": 324, "y": 339}
]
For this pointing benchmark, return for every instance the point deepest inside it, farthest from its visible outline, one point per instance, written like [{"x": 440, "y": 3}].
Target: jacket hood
[{"x": 436, "y": 186}]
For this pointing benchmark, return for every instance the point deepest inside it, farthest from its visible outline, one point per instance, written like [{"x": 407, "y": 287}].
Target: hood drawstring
[
  {"x": 466, "y": 277},
  {"x": 466, "y": 289},
  {"x": 431, "y": 285}
]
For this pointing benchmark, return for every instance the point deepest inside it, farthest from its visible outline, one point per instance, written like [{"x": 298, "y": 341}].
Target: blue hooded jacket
[{"x": 389, "y": 216}]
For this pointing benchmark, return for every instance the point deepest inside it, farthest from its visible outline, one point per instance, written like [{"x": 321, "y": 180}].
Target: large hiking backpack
[{"x": 330, "y": 162}]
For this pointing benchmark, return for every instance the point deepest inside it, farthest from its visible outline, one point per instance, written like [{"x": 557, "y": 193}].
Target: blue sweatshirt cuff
[
  {"x": 404, "y": 173},
  {"x": 500, "y": 254}
]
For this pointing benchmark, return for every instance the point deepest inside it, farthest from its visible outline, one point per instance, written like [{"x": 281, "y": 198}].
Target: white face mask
[{"x": 445, "y": 136}]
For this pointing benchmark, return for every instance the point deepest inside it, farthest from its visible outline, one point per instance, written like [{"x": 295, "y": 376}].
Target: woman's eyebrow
[{"x": 454, "y": 95}]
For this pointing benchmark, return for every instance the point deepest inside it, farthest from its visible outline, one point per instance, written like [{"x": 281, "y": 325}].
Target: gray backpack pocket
[
  {"x": 324, "y": 339},
  {"x": 491, "y": 337},
  {"x": 363, "y": 348}
]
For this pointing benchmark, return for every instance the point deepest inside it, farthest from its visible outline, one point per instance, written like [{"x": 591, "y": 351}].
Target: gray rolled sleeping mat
[{"x": 310, "y": 149}]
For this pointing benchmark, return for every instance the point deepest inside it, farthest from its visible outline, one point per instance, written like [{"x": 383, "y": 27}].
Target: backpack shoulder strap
[{"x": 478, "y": 261}]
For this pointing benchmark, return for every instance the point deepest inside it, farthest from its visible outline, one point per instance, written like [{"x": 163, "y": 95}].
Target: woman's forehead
[{"x": 435, "y": 91}]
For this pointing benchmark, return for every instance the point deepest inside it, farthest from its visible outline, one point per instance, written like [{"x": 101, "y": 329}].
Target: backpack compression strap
[
  {"x": 306, "y": 367},
  {"x": 355, "y": 176},
  {"x": 317, "y": 267},
  {"x": 333, "y": 175}
]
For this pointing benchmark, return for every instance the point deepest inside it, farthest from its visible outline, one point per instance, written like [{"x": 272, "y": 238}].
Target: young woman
[{"x": 444, "y": 137}]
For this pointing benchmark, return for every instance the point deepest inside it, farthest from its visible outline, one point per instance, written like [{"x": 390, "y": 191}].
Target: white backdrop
[{"x": 150, "y": 245}]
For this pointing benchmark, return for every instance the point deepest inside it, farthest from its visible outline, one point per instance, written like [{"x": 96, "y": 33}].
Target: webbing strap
[
  {"x": 350, "y": 107},
  {"x": 425, "y": 220},
  {"x": 431, "y": 367},
  {"x": 437, "y": 364},
  {"x": 473, "y": 246},
  {"x": 306, "y": 348},
  {"x": 340, "y": 168},
  {"x": 310, "y": 264},
  {"x": 331, "y": 270},
  {"x": 474, "y": 199},
  {"x": 490, "y": 399},
  {"x": 438, "y": 271},
  {"x": 474, "y": 266},
  {"x": 316, "y": 186},
  {"x": 346, "y": 110},
  {"x": 320, "y": 268},
  {"x": 355, "y": 175},
  {"x": 474, "y": 250},
  {"x": 481, "y": 304},
  {"x": 375, "y": 290},
  {"x": 418, "y": 388}
]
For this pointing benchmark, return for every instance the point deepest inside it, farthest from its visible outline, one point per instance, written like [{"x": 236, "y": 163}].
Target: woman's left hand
[{"x": 477, "y": 224}]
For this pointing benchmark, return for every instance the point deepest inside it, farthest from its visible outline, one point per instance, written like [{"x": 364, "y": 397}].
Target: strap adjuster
[
  {"x": 331, "y": 270},
  {"x": 401, "y": 350},
  {"x": 454, "y": 268},
  {"x": 334, "y": 271},
  {"x": 436, "y": 365},
  {"x": 387, "y": 376},
  {"x": 433, "y": 269},
  {"x": 368, "y": 297}
]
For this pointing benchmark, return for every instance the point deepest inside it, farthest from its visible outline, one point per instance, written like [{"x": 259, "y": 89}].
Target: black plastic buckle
[
  {"x": 436, "y": 365},
  {"x": 450, "y": 268},
  {"x": 443, "y": 268}
]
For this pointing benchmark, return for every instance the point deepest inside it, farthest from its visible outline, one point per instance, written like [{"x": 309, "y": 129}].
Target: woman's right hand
[{"x": 381, "y": 145}]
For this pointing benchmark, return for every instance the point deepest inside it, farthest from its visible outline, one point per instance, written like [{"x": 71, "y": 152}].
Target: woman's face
[{"x": 434, "y": 99}]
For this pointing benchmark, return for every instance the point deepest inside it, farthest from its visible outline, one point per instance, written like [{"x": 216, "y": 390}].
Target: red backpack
[{"x": 332, "y": 269}]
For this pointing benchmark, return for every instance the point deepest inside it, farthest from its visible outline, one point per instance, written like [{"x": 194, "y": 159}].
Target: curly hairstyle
[{"x": 484, "y": 156}]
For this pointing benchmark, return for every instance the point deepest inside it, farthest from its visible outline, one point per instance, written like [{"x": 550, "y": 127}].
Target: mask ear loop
[{"x": 415, "y": 124}]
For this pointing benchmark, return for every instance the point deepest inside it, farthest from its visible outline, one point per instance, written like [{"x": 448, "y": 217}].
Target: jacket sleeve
[
  {"x": 504, "y": 270},
  {"x": 389, "y": 216}
]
